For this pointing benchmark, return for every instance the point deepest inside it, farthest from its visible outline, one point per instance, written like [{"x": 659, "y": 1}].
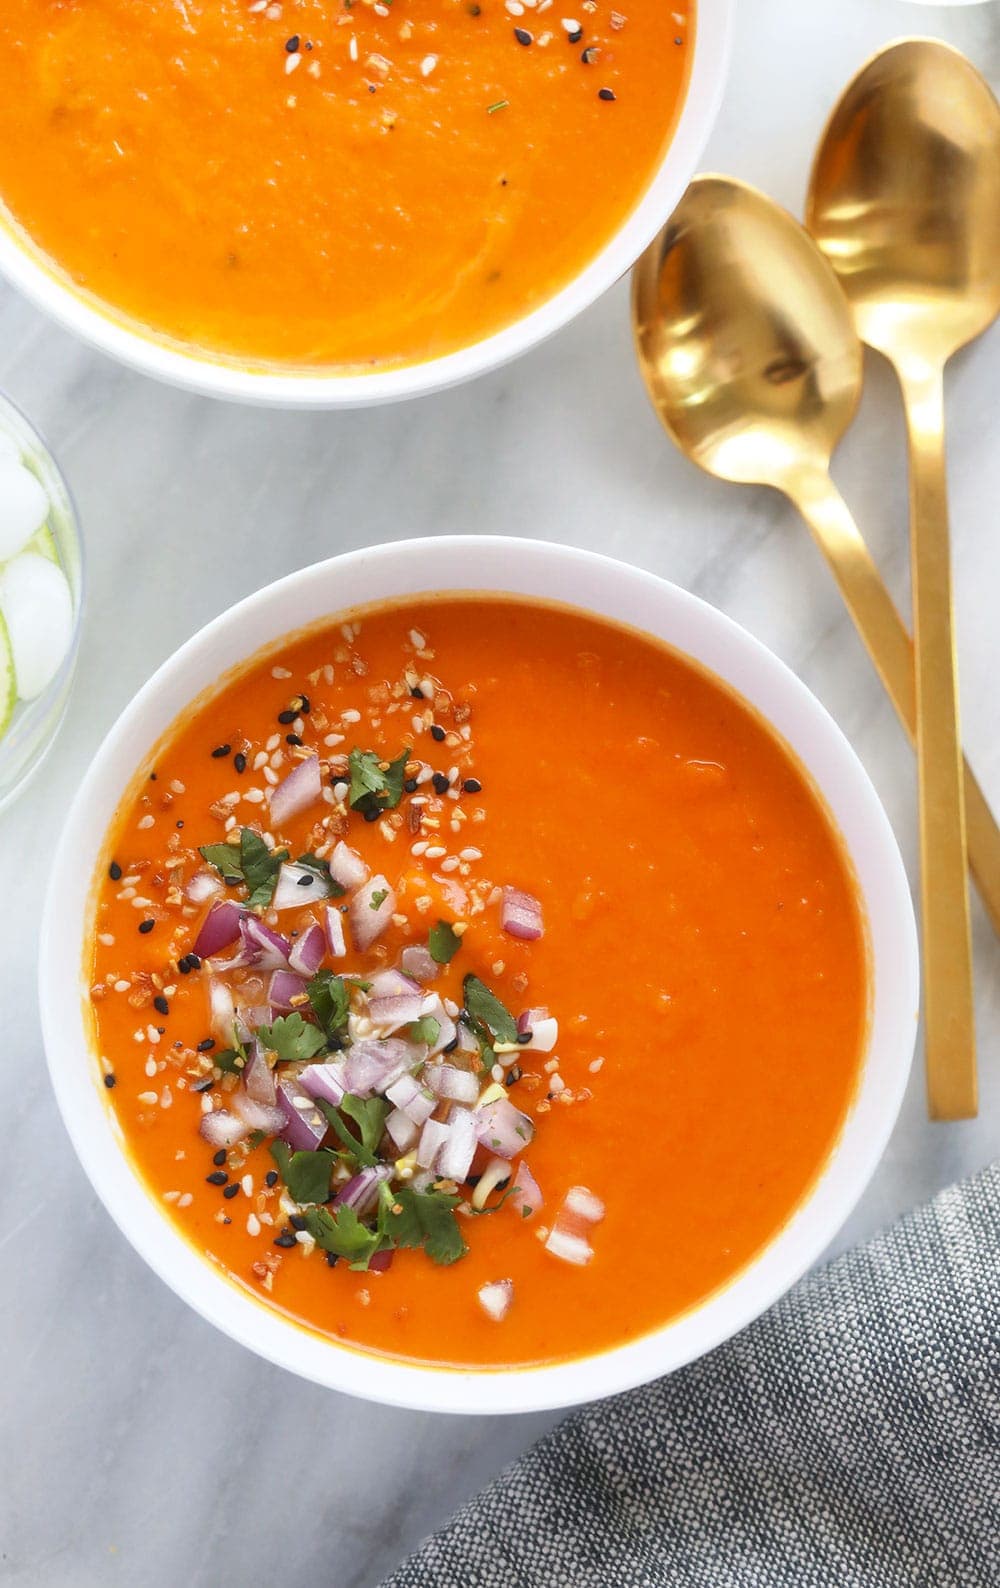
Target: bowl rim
[
  {"x": 28, "y": 269},
  {"x": 627, "y": 595}
]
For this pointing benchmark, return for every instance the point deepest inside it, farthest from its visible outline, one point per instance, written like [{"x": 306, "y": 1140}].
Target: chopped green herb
[
  {"x": 251, "y": 862},
  {"x": 426, "y": 1029},
  {"x": 378, "y": 898},
  {"x": 306, "y": 1174},
  {"x": 255, "y": 1138},
  {"x": 342, "y": 1233},
  {"x": 485, "y": 1009},
  {"x": 498, "y": 104},
  {"x": 291, "y": 1038},
  {"x": 443, "y": 942},
  {"x": 494, "y": 1206},
  {"x": 330, "y": 998},
  {"x": 230, "y": 1060},
  {"x": 369, "y": 1114},
  {"x": 371, "y": 788},
  {"x": 425, "y": 1218}
]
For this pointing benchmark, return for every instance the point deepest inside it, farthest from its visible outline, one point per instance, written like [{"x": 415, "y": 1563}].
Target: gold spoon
[
  {"x": 750, "y": 356},
  {"x": 905, "y": 203}
]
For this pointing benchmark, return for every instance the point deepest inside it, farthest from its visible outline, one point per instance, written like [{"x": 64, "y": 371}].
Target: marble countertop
[{"x": 139, "y": 1446}]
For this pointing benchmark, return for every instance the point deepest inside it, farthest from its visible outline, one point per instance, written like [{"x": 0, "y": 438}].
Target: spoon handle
[
  {"x": 948, "y": 1003},
  {"x": 891, "y": 649}
]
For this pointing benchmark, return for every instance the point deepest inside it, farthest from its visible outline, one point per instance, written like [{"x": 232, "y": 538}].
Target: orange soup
[
  {"x": 476, "y": 981},
  {"x": 341, "y": 183}
]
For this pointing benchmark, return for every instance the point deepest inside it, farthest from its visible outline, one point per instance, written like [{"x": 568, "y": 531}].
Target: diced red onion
[
  {"x": 298, "y": 885},
  {"x": 495, "y": 1299},
  {"x": 307, "y": 951},
  {"x": 466, "y": 1038},
  {"x": 447, "y": 1029},
  {"x": 391, "y": 1013},
  {"x": 324, "y": 1080},
  {"x": 265, "y": 948},
  {"x": 391, "y": 983},
  {"x": 259, "y": 1116},
  {"x": 372, "y": 1066},
  {"x": 361, "y": 1192},
  {"x": 301, "y": 788},
  {"x": 368, "y": 919},
  {"x": 203, "y": 885},
  {"x": 581, "y": 1203},
  {"x": 347, "y": 866},
  {"x": 526, "y": 1021},
  {"x": 544, "y": 1034},
  {"x": 402, "y": 1129},
  {"x": 521, "y": 915},
  {"x": 380, "y": 1262},
  {"x": 220, "y": 927},
  {"x": 571, "y": 1248},
  {"x": 503, "y": 1128},
  {"x": 496, "y": 1173},
  {"x": 222, "y": 1010},
  {"x": 304, "y": 1125},
  {"x": 222, "y": 1129},
  {"x": 258, "y": 1078},
  {"x": 335, "y": 932},
  {"x": 250, "y": 1018},
  {"x": 418, "y": 962},
  {"x": 414, "y": 1100},
  {"x": 285, "y": 990},
  {"x": 525, "y": 1194},
  {"x": 447, "y": 1080},
  {"x": 432, "y": 1139},
  {"x": 454, "y": 1160}
]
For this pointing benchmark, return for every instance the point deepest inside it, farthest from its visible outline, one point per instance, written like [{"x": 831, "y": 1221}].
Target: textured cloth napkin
[{"x": 848, "y": 1439}]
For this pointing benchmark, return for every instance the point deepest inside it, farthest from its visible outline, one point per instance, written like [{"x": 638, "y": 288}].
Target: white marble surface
[{"x": 139, "y": 1447}]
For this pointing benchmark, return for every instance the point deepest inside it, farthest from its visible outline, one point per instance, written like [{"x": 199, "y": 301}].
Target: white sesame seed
[
  {"x": 270, "y": 775},
  {"x": 247, "y": 1184},
  {"x": 254, "y": 796},
  {"x": 332, "y": 739},
  {"x": 436, "y": 851},
  {"x": 451, "y": 864},
  {"x": 427, "y": 65},
  {"x": 419, "y": 847},
  {"x": 185, "y": 1201},
  {"x": 122, "y": 986},
  {"x": 273, "y": 742},
  {"x": 595, "y": 1065},
  {"x": 148, "y": 1099},
  {"x": 350, "y": 715},
  {"x": 417, "y": 640},
  {"x": 166, "y": 1098},
  {"x": 150, "y": 1066},
  {"x": 126, "y": 893},
  {"x": 291, "y": 62},
  {"x": 152, "y": 1034},
  {"x": 106, "y": 939},
  {"x": 170, "y": 1196},
  {"x": 253, "y": 1224},
  {"x": 471, "y": 854},
  {"x": 571, "y": 25}
]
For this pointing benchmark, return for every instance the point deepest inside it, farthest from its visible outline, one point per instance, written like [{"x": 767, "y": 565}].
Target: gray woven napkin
[{"x": 848, "y": 1439}]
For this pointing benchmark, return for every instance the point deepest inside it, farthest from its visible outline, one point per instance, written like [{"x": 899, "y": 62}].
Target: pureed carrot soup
[
  {"x": 323, "y": 182},
  {"x": 477, "y": 982}
]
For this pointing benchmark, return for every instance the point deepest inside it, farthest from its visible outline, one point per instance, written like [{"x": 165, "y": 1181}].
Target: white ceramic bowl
[
  {"x": 528, "y": 568},
  {"x": 24, "y": 264}
]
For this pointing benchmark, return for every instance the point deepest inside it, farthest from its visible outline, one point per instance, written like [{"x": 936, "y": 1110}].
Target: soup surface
[
  {"x": 325, "y": 183},
  {"x": 590, "y": 834}
]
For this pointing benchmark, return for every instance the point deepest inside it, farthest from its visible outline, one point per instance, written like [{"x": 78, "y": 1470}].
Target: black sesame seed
[
  {"x": 147, "y": 925},
  {"x": 206, "y": 1045},
  {"x": 152, "y": 777},
  {"x": 523, "y": 36},
  {"x": 297, "y": 1221},
  {"x": 221, "y": 750},
  {"x": 304, "y": 705},
  {"x": 227, "y": 1220},
  {"x": 194, "y": 962},
  {"x": 219, "y": 1158},
  {"x": 474, "y": 10},
  {"x": 292, "y": 44},
  {"x": 306, "y": 880},
  {"x": 372, "y": 814},
  {"x": 286, "y": 1239},
  {"x": 231, "y": 1191},
  {"x": 240, "y": 761},
  {"x": 232, "y": 882},
  {"x": 513, "y": 1076},
  {"x": 589, "y": 55},
  {"x": 523, "y": 1037},
  {"x": 183, "y": 966},
  {"x": 217, "y": 1177},
  {"x": 678, "y": 40},
  {"x": 450, "y": 1046},
  {"x": 410, "y": 786},
  {"x": 160, "y": 1005},
  {"x": 440, "y": 783},
  {"x": 204, "y": 1085},
  {"x": 606, "y": 93},
  {"x": 178, "y": 824},
  {"x": 417, "y": 692},
  {"x": 575, "y": 36},
  {"x": 292, "y": 738},
  {"x": 472, "y": 785},
  {"x": 437, "y": 733},
  {"x": 115, "y": 871},
  {"x": 287, "y": 716},
  {"x": 271, "y": 1178},
  {"x": 109, "y": 1081}
]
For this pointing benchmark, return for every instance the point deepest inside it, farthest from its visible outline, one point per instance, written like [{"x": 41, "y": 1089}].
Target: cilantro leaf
[
  {"x": 378, "y": 898},
  {"x": 230, "y": 1060},
  {"x": 249, "y": 861},
  {"x": 224, "y": 857},
  {"x": 486, "y": 1009},
  {"x": 443, "y": 942},
  {"x": 342, "y": 1233},
  {"x": 369, "y": 1114},
  {"x": 314, "y": 863},
  {"x": 426, "y": 1029},
  {"x": 425, "y": 1218},
  {"x": 306, "y": 1174},
  {"x": 330, "y": 998},
  {"x": 373, "y": 789},
  {"x": 291, "y": 1038}
]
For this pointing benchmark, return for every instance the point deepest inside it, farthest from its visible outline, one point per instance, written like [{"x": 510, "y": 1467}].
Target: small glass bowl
[{"x": 35, "y": 723}]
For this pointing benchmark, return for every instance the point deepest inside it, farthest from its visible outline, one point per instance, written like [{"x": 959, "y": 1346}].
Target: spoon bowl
[
  {"x": 904, "y": 200},
  {"x": 744, "y": 339}
]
